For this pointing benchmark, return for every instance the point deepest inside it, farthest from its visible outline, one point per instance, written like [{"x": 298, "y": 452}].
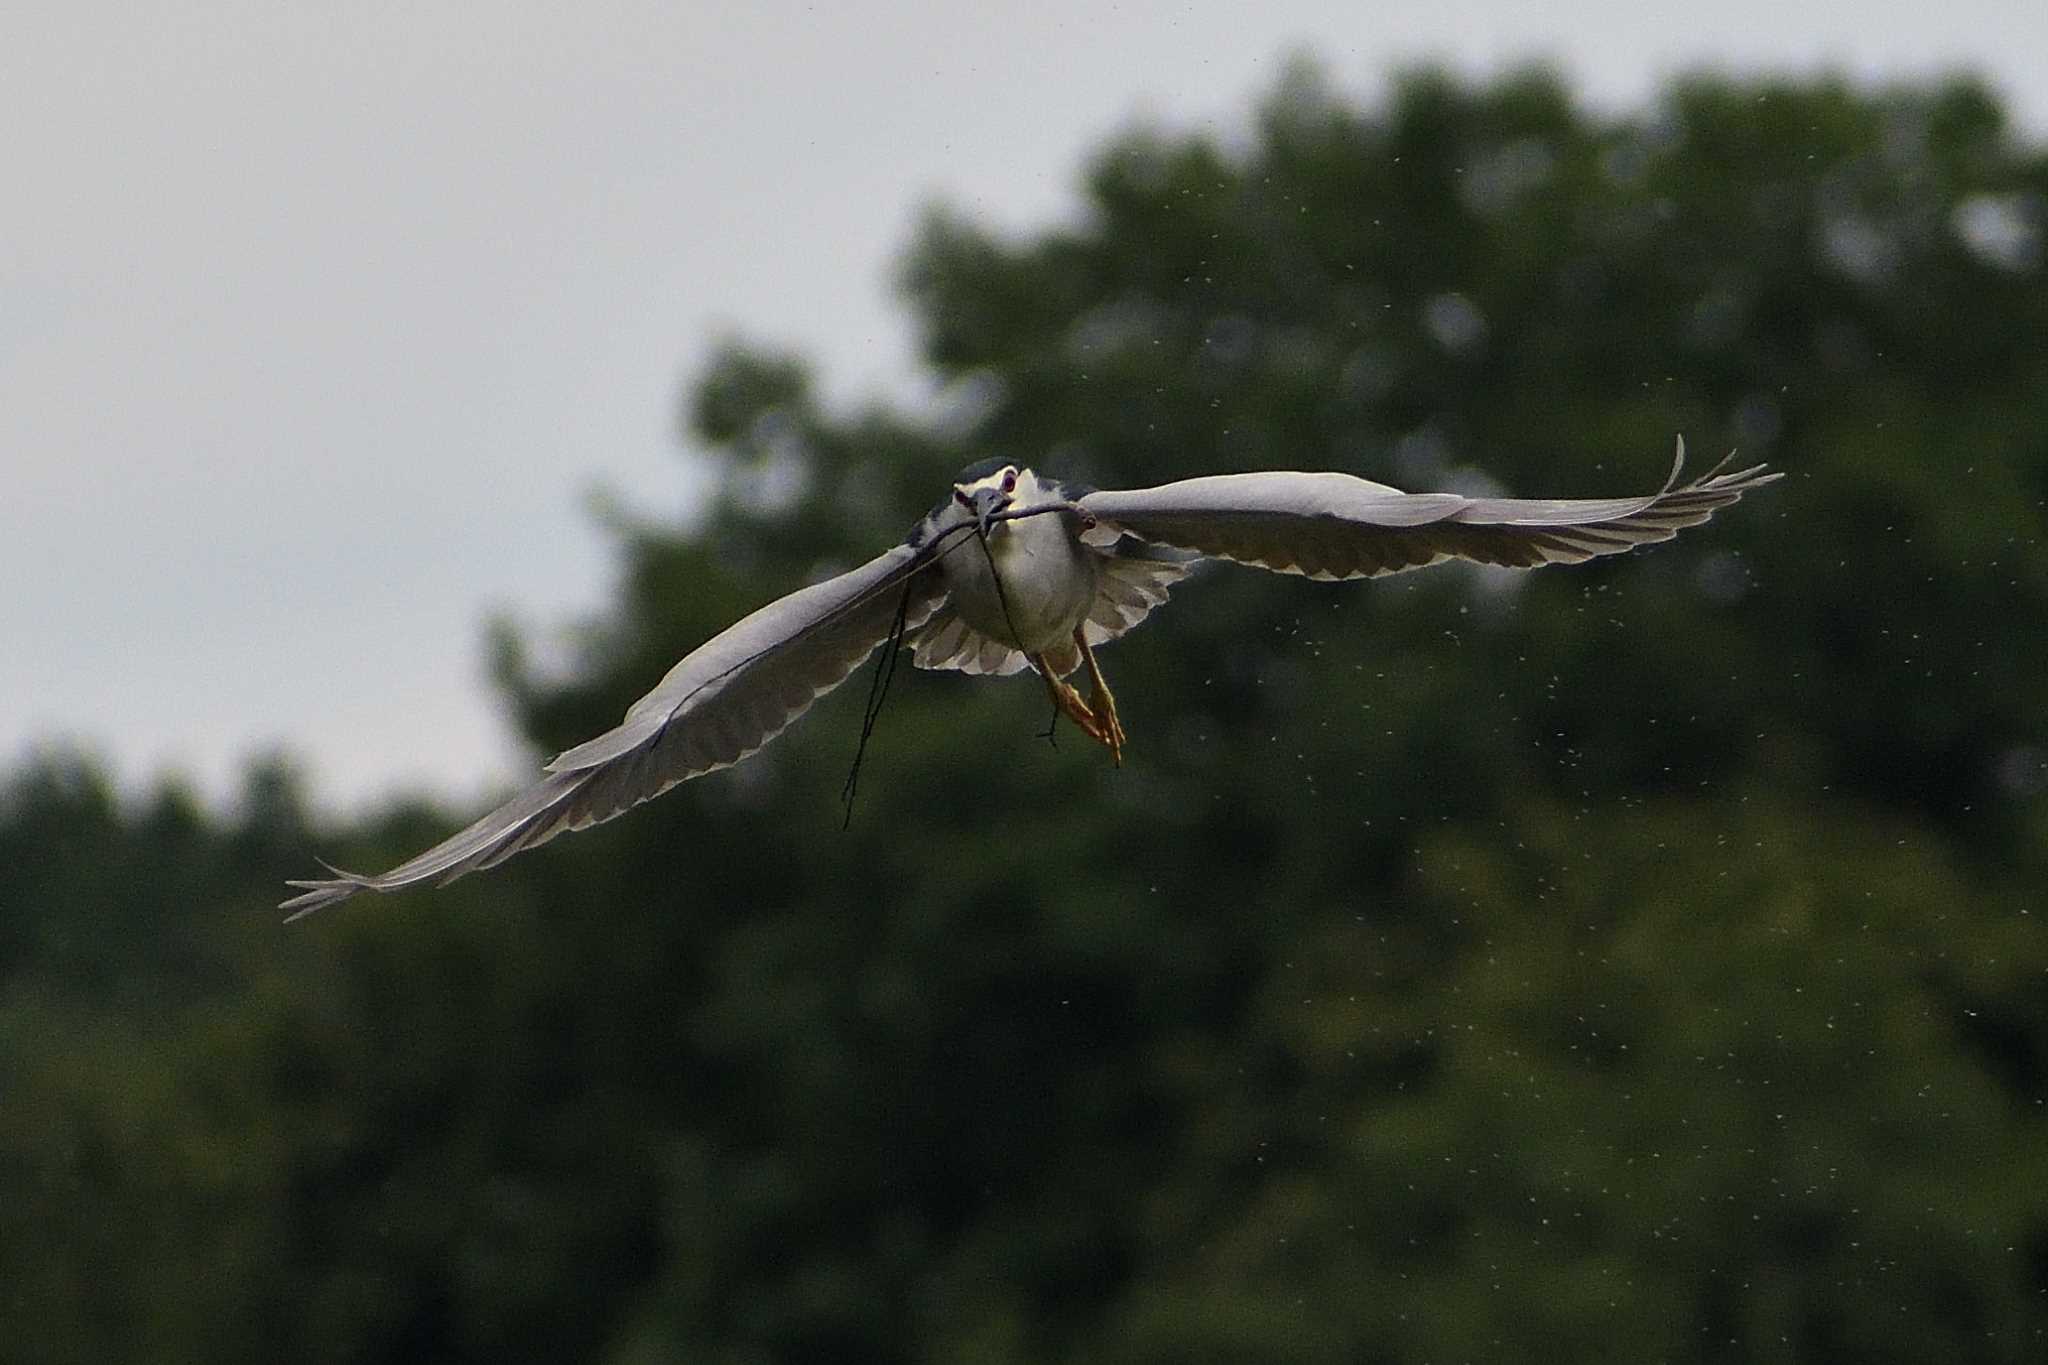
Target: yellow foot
[
  {"x": 1101, "y": 703},
  {"x": 1112, "y": 735},
  {"x": 1086, "y": 719}
]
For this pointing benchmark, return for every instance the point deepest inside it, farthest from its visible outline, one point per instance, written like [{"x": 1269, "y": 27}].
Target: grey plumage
[
  {"x": 1077, "y": 568},
  {"x": 1332, "y": 526},
  {"x": 725, "y": 699}
]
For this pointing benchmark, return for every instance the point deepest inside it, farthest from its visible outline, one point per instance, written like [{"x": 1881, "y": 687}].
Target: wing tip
[
  {"x": 320, "y": 892},
  {"x": 315, "y": 896},
  {"x": 1719, "y": 479}
]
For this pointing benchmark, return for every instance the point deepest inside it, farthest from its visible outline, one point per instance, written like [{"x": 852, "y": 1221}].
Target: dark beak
[{"x": 987, "y": 502}]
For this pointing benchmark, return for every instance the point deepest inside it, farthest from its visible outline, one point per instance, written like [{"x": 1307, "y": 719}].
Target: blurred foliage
[{"x": 1636, "y": 961}]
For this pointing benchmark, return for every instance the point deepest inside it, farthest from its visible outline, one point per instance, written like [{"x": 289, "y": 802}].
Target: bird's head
[{"x": 987, "y": 488}]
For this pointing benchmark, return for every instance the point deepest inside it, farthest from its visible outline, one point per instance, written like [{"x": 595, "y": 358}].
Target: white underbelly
[{"x": 1048, "y": 583}]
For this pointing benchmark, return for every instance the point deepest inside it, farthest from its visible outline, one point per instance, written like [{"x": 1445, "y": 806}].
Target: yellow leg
[
  {"x": 1069, "y": 701},
  {"x": 1101, "y": 703}
]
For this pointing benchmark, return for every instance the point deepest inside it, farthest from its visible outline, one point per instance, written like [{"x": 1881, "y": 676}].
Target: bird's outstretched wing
[
  {"x": 726, "y": 699},
  {"x": 1332, "y": 526}
]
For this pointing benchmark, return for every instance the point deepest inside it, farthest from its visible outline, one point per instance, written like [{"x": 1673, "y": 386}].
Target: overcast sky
[{"x": 318, "y": 323}]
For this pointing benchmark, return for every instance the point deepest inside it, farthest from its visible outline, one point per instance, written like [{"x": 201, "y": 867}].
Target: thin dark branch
[{"x": 878, "y": 693}]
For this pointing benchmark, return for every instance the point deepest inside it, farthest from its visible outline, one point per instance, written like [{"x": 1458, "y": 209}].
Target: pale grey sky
[{"x": 317, "y": 323}]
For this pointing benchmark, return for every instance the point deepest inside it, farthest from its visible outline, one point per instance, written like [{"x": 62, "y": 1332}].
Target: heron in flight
[{"x": 1014, "y": 570}]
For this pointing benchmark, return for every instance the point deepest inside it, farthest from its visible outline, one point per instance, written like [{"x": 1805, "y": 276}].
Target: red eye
[
  {"x": 962, "y": 498},
  {"x": 1009, "y": 480}
]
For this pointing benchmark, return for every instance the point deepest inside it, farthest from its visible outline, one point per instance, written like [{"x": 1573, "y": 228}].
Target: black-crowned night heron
[{"x": 1013, "y": 570}]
